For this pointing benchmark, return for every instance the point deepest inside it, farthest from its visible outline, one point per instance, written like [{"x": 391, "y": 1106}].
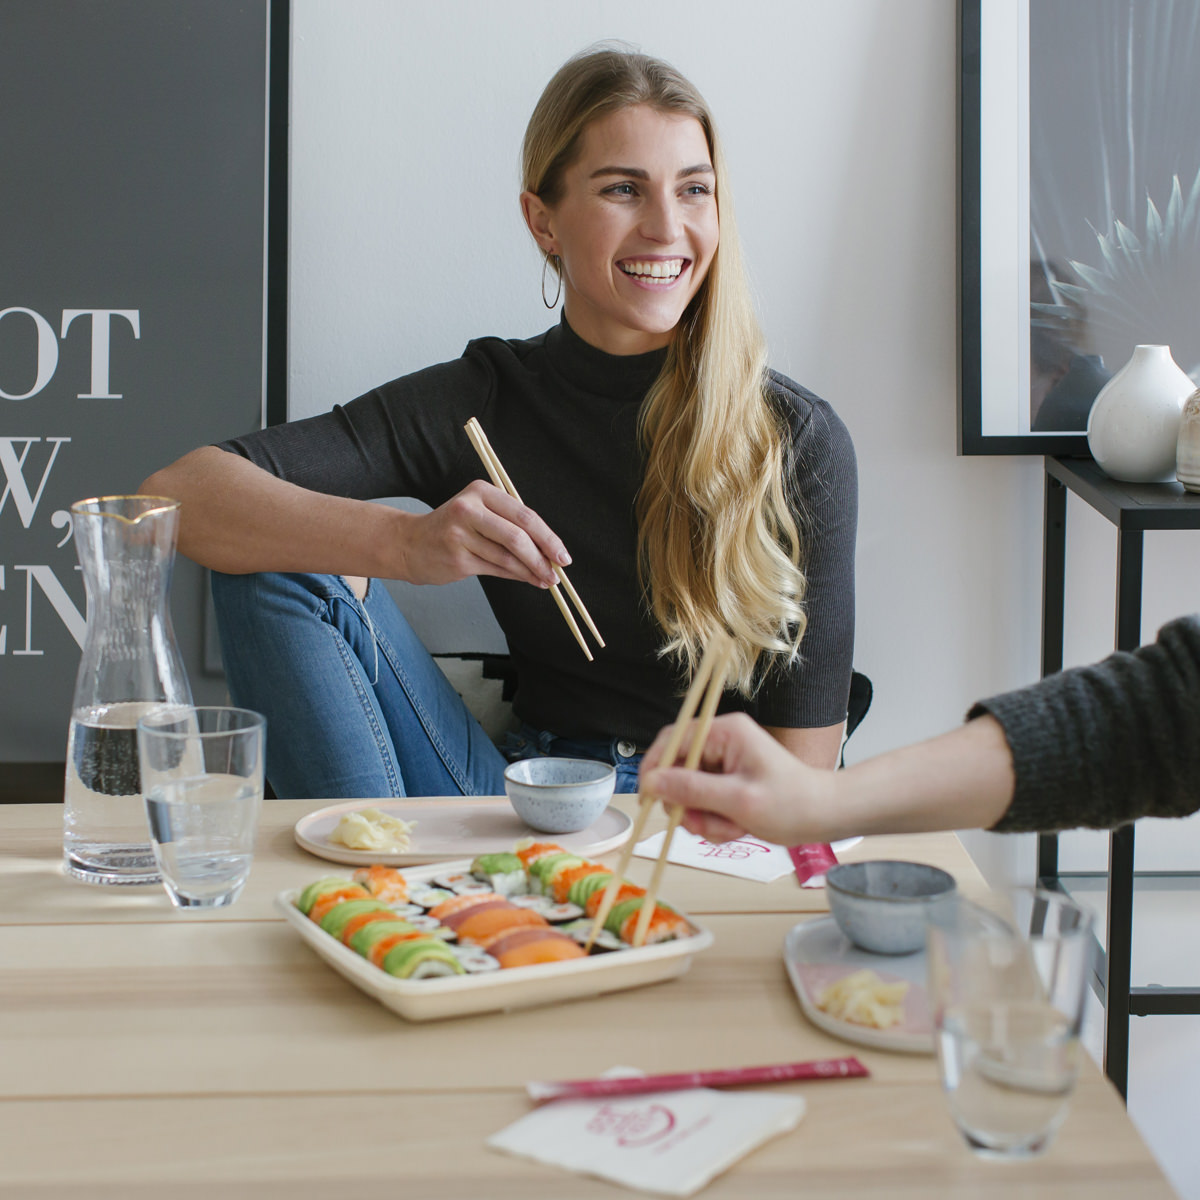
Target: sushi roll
[
  {"x": 665, "y": 924},
  {"x": 503, "y": 873},
  {"x": 564, "y": 880},
  {"x": 583, "y": 888},
  {"x": 422, "y": 958},
  {"x": 543, "y": 869},
  {"x": 579, "y": 931},
  {"x": 429, "y": 897},
  {"x": 545, "y": 906},
  {"x": 375, "y": 940},
  {"x": 384, "y": 883},
  {"x": 407, "y": 910},
  {"x": 354, "y": 923},
  {"x": 475, "y": 960},
  {"x": 431, "y": 926},
  {"x": 331, "y": 897},
  {"x": 529, "y": 851},
  {"x": 525, "y": 947},
  {"x": 455, "y": 904},
  {"x": 626, "y": 891},
  {"x": 335, "y": 919},
  {"x": 461, "y": 884},
  {"x": 480, "y": 924},
  {"x": 308, "y": 896}
]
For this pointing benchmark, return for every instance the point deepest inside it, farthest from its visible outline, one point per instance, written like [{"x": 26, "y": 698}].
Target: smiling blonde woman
[{"x": 697, "y": 490}]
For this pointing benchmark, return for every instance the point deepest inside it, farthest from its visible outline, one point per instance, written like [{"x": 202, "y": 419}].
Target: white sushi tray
[{"x": 514, "y": 987}]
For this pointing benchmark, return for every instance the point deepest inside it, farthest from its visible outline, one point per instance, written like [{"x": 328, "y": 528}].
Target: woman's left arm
[{"x": 817, "y": 747}]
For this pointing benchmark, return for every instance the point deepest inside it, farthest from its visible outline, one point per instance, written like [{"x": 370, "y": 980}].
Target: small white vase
[
  {"x": 1133, "y": 428},
  {"x": 1187, "y": 452}
]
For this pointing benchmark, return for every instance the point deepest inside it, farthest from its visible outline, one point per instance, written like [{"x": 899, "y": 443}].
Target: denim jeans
[{"x": 355, "y": 704}]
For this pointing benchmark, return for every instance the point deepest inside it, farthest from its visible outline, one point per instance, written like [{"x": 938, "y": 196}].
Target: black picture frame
[{"x": 972, "y": 440}]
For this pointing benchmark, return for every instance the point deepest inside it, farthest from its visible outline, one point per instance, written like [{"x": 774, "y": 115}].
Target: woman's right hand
[{"x": 482, "y": 531}]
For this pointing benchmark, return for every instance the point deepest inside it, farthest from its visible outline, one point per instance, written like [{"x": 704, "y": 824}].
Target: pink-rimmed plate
[
  {"x": 453, "y": 827},
  {"x": 817, "y": 954}
]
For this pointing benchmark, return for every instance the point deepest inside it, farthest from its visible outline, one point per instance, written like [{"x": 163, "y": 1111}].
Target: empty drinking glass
[
  {"x": 202, "y": 776},
  {"x": 1007, "y": 994}
]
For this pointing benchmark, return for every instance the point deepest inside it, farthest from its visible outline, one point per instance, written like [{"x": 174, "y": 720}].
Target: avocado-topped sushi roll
[
  {"x": 503, "y": 873},
  {"x": 375, "y": 940},
  {"x": 331, "y": 897},
  {"x": 529, "y": 851},
  {"x": 308, "y": 896},
  {"x": 585, "y": 886},
  {"x": 422, "y": 958},
  {"x": 335, "y": 920},
  {"x": 665, "y": 924},
  {"x": 542, "y": 870}
]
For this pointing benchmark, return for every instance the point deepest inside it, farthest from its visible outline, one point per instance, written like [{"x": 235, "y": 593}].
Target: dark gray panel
[{"x": 132, "y": 152}]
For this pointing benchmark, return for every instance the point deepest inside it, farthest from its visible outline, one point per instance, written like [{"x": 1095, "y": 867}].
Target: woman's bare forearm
[{"x": 236, "y": 517}]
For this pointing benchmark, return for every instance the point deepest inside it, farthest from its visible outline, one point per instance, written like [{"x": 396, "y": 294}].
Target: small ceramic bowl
[
  {"x": 881, "y": 906},
  {"x": 559, "y": 795}
]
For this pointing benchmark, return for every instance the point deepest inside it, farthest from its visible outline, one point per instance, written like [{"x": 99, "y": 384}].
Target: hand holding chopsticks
[
  {"x": 499, "y": 477},
  {"x": 708, "y": 681}
]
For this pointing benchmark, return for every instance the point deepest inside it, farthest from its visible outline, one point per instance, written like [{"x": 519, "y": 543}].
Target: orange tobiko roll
[
  {"x": 384, "y": 883},
  {"x": 563, "y": 880},
  {"x": 535, "y": 850},
  {"x": 627, "y": 891}
]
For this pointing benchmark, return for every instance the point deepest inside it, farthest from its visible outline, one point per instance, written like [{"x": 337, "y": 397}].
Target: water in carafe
[{"x": 130, "y": 665}]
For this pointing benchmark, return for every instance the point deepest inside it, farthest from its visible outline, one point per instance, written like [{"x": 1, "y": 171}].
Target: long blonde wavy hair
[{"x": 718, "y": 541}]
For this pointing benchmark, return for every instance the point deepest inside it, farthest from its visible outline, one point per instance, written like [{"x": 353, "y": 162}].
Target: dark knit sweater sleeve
[{"x": 1102, "y": 745}]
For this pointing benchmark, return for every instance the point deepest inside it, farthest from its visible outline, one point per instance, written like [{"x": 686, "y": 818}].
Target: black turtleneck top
[{"x": 562, "y": 416}]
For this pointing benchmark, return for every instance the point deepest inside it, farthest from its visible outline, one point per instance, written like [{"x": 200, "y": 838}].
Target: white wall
[{"x": 839, "y": 120}]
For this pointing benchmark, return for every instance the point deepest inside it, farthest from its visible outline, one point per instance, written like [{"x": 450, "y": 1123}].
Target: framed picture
[
  {"x": 1079, "y": 209},
  {"x": 142, "y": 303}
]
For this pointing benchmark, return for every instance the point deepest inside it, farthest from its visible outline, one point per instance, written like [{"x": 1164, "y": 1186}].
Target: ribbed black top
[{"x": 562, "y": 417}]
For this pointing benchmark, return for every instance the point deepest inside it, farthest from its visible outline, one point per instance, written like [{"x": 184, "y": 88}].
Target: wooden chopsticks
[
  {"x": 708, "y": 681},
  {"x": 499, "y": 476}
]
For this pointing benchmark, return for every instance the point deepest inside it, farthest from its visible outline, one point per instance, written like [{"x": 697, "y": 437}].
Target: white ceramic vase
[
  {"x": 1133, "y": 428},
  {"x": 1187, "y": 452}
]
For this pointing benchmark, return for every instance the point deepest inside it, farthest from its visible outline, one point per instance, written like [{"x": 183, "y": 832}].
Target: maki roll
[
  {"x": 579, "y": 931},
  {"x": 429, "y": 897},
  {"x": 461, "y": 884},
  {"x": 665, "y": 924},
  {"x": 421, "y": 958},
  {"x": 503, "y": 873}
]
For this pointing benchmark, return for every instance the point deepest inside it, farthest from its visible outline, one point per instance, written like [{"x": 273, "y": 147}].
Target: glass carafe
[{"x": 130, "y": 665}]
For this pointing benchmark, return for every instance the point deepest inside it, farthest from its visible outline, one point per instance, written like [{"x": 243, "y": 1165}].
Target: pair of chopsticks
[
  {"x": 708, "y": 681},
  {"x": 499, "y": 476}
]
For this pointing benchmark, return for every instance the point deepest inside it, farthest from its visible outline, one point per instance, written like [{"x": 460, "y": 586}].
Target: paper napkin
[
  {"x": 748, "y": 857},
  {"x": 668, "y": 1143}
]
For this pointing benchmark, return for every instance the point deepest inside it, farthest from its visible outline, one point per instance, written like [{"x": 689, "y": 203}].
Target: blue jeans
[{"x": 355, "y": 705}]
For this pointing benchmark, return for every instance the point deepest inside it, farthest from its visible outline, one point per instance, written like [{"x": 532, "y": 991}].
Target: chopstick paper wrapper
[
  {"x": 824, "y": 1068},
  {"x": 811, "y": 862}
]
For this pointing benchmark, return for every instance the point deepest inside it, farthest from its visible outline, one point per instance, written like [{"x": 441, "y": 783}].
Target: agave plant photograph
[{"x": 1114, "y": 195}]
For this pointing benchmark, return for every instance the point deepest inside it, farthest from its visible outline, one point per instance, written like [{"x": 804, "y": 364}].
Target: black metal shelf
[{"x": 1133, "y": 508}]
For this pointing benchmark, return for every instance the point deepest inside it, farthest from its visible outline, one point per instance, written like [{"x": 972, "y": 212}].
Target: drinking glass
[
  {"x": 202, "y": 776},
  {"x": 1007, "y": 992}
]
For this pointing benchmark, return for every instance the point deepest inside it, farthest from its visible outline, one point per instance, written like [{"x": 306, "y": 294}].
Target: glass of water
[
  {"x": 1007, "y": 993},
  {"x": 202, "y": 777}
]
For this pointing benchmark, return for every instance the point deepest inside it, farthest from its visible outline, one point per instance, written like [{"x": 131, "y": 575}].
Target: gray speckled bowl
[
  {"x": 559, "y": 795},
  {"x": 881, "y": 905}
]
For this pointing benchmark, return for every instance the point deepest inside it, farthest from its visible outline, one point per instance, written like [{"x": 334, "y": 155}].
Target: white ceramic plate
[
  {"x": 818, "y": 954},
  {"x": 454, "y": 827},
  {"x": 513, "y": 987}
]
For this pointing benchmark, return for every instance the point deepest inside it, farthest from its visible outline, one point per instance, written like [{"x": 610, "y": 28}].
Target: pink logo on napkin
[
  {"x": 742, "y": 848},
  {"x": 633, "y": 1126}
]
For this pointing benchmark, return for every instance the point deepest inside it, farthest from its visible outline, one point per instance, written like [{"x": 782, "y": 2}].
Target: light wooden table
[{"x": 146, "y": 1052}]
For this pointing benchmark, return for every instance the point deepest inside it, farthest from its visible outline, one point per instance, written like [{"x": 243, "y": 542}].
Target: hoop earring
[{"x": 557, "y": 275}]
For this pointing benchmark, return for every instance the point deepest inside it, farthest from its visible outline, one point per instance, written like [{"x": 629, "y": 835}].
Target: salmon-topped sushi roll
[
  {"x": 455, "y": 904},
  {"x": 384, "y": 883},
  {"x": 524, "y": 947},
  {"x": 480, "y": 925}
]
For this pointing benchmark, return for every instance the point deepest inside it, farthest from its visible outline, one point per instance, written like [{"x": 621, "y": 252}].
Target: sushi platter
[
  {"x": 451, "y": 828},
  {"x": 494, "y": 933}
]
